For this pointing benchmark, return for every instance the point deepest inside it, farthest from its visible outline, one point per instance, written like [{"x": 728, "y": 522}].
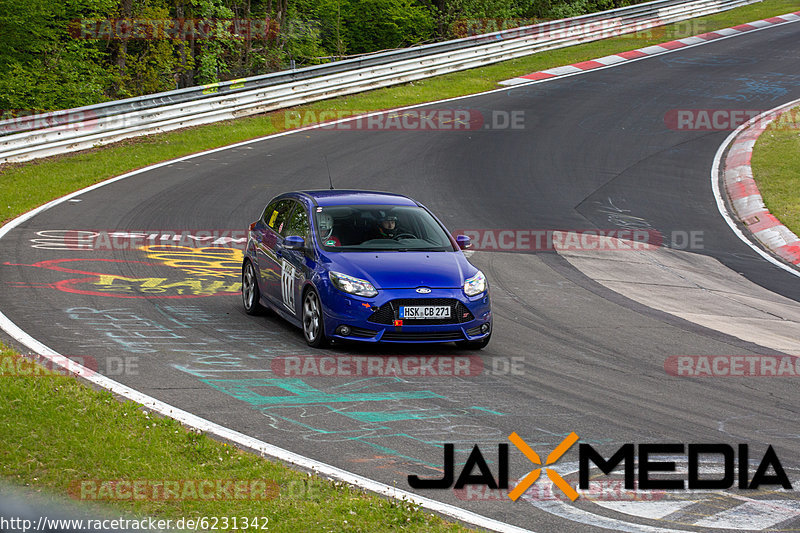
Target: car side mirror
[
  {"x": 293, "y": 242},
  {"x": 464, "y": 242}
]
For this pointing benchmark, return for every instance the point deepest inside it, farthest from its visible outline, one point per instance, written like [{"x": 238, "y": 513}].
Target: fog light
[
  {"x": 344, "y": 331},
  {"x": 485, "y": 328}
]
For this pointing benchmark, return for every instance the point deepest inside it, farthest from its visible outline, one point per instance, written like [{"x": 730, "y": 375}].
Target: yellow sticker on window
[{"x": 272, "y": 218}]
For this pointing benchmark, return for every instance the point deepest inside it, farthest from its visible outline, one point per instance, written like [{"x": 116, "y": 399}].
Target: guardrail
[{"x": 86, "y": 127}]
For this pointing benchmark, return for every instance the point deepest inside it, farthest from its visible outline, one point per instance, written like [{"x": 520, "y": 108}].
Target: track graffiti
[
  {"x": 206, "y": 271},
  {"x": 124, "y": 328},
  {"x": 210, "y": 261},
  {"x": 387, "y": 414},
  {"x": 370, "y": 411},
  {"x": 770, "y": 87},
  {"x": 65, "y": 240},
  {"x": 621, "y": 217}
]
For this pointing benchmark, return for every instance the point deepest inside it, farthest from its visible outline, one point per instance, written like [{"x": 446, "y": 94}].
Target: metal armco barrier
[{"x": 86, "y": 127}]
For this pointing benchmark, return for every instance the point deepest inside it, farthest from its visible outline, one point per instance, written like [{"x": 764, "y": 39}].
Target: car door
[
  {"x": 293, "y": 262},
  {"x": 269, "y": 263}
]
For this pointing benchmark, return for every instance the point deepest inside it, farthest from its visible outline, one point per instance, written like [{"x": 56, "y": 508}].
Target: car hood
[{"x": 405, "y": 270}]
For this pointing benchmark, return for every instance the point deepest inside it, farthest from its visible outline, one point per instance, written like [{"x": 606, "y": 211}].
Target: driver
[
  {"x": 387, "y": 227},
  {"x": 325, "y": 222}
]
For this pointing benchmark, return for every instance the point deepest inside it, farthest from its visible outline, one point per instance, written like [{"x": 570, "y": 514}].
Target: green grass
[
  {"x": 23, "y": 187},
  {"x": 776, "y": 168},
  {"x": 55, "y": 433}
]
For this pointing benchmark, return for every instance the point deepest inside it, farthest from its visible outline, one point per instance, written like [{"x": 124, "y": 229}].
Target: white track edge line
[
  {"x": 723, "y": 210},
  {"x": 205, "y": 425},
  {"x": 199, "y": 423},
  {"x": 627, "y": 61}
]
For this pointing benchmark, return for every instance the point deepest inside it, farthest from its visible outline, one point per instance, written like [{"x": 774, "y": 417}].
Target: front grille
[
  {"x": 409, "y": 336},
  {"x": 389, "y": 312}
]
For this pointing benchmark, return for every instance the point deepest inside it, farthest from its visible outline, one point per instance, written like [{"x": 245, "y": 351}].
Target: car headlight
[
  {"x": 475, "y": 285},
  {"x": 349, "y": 284}
]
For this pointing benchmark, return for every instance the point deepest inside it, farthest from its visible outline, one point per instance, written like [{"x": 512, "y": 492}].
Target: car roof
[{"x": 332, "y": 197}]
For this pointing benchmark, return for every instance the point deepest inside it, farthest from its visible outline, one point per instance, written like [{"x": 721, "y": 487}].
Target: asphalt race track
[{"x": 568, "y": 354}]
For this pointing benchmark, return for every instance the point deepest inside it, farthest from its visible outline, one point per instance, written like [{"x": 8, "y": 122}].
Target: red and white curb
[
  {"x": 658, "y": 49},
  {"x": 743, "y": 193},
  {"x": 193, "y": 421}
]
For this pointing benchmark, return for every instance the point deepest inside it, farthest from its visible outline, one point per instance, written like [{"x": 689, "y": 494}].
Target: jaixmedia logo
[{"x": 651, "y": 466}]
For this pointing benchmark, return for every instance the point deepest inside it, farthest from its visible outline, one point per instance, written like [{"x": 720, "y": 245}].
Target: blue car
[{"x": 364, "y": 266}]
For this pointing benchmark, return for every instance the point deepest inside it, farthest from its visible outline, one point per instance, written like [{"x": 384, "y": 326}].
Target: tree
[
  {"x": 372, "y": 25},
  {"x": 147, "y": 63},
  {"x": 44, "y": 66}
]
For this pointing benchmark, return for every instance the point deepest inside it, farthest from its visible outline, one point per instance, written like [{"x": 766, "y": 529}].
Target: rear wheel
[
  {"x": 474, "y": 345},
  {"x": 251, "y": 295},
  {"x": 313, "y": 326}
]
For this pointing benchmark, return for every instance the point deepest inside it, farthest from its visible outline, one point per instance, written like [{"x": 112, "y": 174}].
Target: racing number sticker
[{"x": 287, "y": 284}]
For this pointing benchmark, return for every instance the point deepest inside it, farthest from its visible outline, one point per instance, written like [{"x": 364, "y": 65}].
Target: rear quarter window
[{"x": 276, "y": 213}]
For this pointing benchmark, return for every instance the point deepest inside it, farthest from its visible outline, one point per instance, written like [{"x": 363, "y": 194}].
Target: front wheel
[
  {"x": 251, "y": 295},
  {"x": 313, "y": 327},
  {"x": 474, "y": 345}
]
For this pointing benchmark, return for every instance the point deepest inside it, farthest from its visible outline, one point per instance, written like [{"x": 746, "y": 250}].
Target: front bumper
[{"x": 373, "y": 319}]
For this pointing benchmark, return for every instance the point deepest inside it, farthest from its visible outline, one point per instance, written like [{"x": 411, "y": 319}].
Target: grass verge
[
  {"x": 776, "y": 169},
  {"x": 56, "y": 432},
  {"x": 59, "y": 436}
]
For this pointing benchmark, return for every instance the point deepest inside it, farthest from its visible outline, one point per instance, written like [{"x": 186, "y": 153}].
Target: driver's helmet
[
  {"x": 325, "y": 222},
  {"x": 389, "y": 222}
]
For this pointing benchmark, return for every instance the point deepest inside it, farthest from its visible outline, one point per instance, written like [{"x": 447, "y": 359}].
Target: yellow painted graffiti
[
  {"x": 164, "y": 286},
  {"x": 211, "y": 88},
  {"x": 207, "y": 262}
]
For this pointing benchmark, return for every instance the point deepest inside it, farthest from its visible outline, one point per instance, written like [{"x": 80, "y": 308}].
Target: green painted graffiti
[{"x": 302, "y": 393}]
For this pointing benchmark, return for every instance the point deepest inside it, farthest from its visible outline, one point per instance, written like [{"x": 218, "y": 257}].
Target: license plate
[{"x": 424, "y": 312}]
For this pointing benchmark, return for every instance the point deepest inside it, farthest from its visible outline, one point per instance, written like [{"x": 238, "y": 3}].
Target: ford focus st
[{"x": 364, "y": 266}]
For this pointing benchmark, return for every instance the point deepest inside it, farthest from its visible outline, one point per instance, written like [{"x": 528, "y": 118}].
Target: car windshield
[{"x": 380, "y": 228}]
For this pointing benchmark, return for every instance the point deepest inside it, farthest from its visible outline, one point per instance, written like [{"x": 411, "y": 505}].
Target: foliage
[
  {"x": 43, "y": 66},
  {"x": 373, "y": 25},
  {"x": 149, "y": 65},
  {"x": 51, "y": 61}
]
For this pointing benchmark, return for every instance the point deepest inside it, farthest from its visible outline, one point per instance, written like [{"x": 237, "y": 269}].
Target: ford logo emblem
[{"x": 423, "y": 290}]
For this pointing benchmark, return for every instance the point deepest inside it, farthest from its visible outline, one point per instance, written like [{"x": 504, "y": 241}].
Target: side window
[
  {"x": 298, "y": 224},
  {"x": 268, "y": 210},
  {"x": 275, "y": 214}
]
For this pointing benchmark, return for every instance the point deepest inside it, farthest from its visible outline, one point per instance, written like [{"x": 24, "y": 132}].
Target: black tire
[
  {"x": 251, "y": 295},
  {"x": 474, "y": 345},
  {"x": 313, "y": 324}
]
